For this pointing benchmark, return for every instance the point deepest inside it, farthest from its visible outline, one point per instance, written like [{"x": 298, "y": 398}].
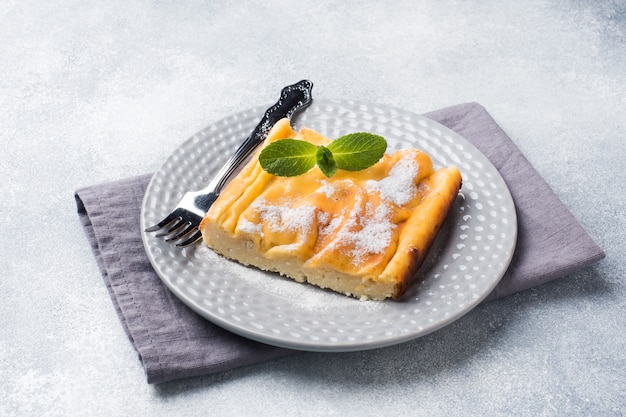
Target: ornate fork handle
[
  {"x": 182, "y": 223},
  {"x": 292, "y": 99}
]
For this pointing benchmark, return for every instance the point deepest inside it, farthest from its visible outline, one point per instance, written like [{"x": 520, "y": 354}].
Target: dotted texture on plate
[{"x": 470, "y": 255}]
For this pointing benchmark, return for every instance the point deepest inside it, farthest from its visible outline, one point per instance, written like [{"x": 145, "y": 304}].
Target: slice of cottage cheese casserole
[{"x": 363, "y": 233}]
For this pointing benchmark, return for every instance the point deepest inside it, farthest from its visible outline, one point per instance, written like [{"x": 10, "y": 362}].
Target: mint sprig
[{"x": 351, "y": 152}]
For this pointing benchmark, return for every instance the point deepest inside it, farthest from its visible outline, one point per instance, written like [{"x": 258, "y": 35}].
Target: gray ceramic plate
[{"x": 470, "y": 255}]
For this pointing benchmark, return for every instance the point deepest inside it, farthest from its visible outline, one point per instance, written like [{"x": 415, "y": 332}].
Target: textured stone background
[{"x": 96, "y": 91}]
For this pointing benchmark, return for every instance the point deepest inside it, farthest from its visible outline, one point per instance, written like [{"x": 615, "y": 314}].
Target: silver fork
[{"x": 182, "y": 224}]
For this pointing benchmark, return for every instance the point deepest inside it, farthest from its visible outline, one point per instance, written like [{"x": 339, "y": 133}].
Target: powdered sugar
[
  {"x": 399, "y": 185},
  {"x": 332, "y": 225},
  {"x": 374, "y": 234},
  {"x": 323, "y": 217},
  {"x": 367, "y": 230},
  {"x": 285, "y": 217},
  {"x": 376, "y": 230},
  {"x": 327, "y": 189},
  {"x": 247, "y": 226}
]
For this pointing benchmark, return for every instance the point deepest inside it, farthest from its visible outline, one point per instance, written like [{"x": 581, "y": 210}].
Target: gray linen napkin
[{"x": 173, "y": 342}]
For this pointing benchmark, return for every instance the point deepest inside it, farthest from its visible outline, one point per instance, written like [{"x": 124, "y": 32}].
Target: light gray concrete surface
[{"x": 96, "y": 91}]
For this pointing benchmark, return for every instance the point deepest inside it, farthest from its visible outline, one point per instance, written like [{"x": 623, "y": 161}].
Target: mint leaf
[
  {"x": 288, "y": 157},
  {"x": 352, "y": 152},
  {"x": 325, "y": 161},
  {"x": 357, "y": 151}
]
